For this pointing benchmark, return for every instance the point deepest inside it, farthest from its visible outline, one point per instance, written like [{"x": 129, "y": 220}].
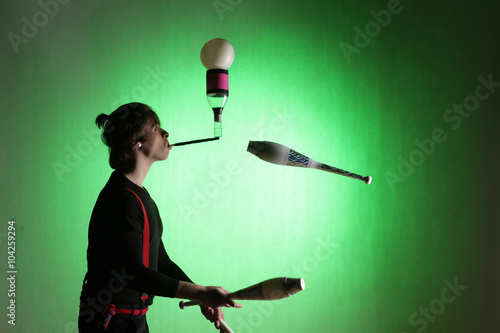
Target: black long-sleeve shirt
[{"x": 116, "y": 273}]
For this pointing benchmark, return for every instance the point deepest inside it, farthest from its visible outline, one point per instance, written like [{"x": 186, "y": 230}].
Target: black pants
[{"x": 120, "y": 323}]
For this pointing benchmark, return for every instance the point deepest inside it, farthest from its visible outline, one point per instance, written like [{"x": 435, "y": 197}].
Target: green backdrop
[{"x": 405, "y": 91}]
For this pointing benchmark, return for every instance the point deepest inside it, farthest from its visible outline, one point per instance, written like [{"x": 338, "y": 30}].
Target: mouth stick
[{"x": 193, "y": 141}]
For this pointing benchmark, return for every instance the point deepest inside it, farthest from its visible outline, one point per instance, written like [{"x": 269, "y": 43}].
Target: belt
[
  {"x": 135, "y": 312},
  {"x": 111, "y": 310}
]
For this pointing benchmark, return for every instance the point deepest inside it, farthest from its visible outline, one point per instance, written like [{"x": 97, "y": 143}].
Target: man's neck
[{"x": 139, "y": 173}]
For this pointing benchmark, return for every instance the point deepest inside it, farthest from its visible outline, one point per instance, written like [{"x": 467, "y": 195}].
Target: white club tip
[
  {"x": 368, "y": 180},
  {"x": 293, "y": 285}
]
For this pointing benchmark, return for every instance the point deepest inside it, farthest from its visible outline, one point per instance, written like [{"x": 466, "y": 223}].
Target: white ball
[{"x": 217, "y": 53}]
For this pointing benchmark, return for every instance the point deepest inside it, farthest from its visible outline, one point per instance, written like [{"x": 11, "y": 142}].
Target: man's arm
[{"x": 169, "y": 268}]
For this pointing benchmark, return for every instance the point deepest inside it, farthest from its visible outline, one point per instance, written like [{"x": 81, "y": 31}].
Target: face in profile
[{"x": 155, "y": 146}]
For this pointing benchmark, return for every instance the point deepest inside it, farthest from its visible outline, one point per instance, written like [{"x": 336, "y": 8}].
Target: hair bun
[{"x": 101, "y": 120}]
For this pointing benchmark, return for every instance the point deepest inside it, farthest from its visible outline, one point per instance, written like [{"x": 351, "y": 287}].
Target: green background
[{"x": 377, "y": 258}]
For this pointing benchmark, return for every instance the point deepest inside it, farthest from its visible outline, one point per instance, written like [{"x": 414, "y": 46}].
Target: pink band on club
[{"x": 217, "y": 79}]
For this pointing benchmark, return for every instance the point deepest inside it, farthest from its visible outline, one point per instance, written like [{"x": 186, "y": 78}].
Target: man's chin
[{"x": 162, "y": 158}]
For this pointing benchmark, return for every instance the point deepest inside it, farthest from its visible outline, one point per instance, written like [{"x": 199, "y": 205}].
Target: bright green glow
[
  {"x": 371, "y": 255},
  {"x": 217, "y": 128}
]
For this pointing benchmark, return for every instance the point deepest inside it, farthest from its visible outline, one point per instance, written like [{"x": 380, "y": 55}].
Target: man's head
[{"x": 123, "y": 129}]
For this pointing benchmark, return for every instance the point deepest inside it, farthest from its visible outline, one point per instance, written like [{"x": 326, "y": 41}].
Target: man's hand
[
  {"x": 212, "y": 299},
  {"x": 215, "y": 297},
  {"x": 214, "y": 315}
]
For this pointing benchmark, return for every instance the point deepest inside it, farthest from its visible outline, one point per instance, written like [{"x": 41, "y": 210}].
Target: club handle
[
  {"x": 227, "y": 329},
  {"x": 183, "y": 304},
  {"x": 328, "y": 168}
]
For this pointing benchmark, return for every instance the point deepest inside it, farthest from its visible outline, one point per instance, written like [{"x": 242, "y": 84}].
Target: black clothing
[
  {"x": 121, "y": 323},
  {"x": 116, "y": 273}
]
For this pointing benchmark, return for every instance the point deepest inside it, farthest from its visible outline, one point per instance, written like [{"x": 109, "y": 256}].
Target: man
[{"x": 126, "y": 259}]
